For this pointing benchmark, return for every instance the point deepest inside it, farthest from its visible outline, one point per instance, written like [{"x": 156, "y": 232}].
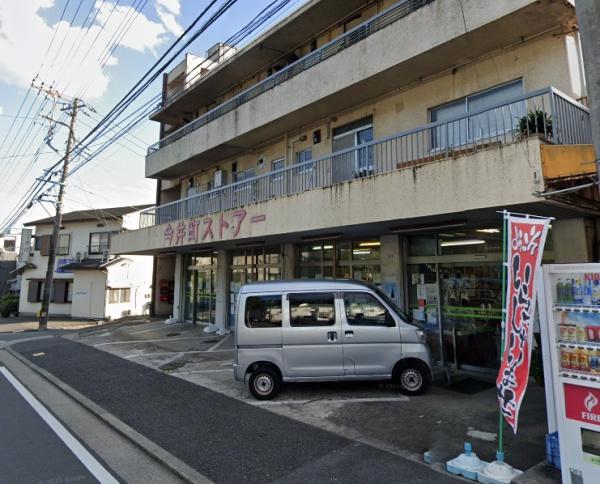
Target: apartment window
[
  {"x": 10, "y": 245},
  {"x": 119, "y": 295},
  {"x": 263, "y": 312},
  {"x": 312, "y": 309},
  {"x": 243, "y": 175},
  {"x": 99, "y": 242},
  {"x": 482, "y": 126},
  {"x": 302, "y": 157},
  {"x": 64, "y": 244},
  {"x": 277, "y": 164},
  {"x": 360, "y": 161},
  {"x": 61, "y": 291},
  {"x": 42, "y": 243}
]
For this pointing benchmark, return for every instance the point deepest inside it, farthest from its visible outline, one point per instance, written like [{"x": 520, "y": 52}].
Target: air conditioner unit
[
  {"x": 220, "y": 178},
  {"x": 78, "y": 257},
  {"x": 105, "y": 254}
]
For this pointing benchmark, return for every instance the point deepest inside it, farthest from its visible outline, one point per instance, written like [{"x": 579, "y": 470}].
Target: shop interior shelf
[
  {"x": 592, "y": 345},
  {"x": 583, "y": 309},
  {"x": 580, "y": 376}
]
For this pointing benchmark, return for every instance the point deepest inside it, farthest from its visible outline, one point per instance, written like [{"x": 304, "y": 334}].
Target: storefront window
[
  {"x": 358, "y": 259},
  {"x": 200, "y": 287},
  {"x": 487, "y": 240}
]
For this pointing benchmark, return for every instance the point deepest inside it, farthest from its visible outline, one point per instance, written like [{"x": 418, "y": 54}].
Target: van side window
[
  {"x": 312, "y": 309},
  {"x": 362, "y": 309},
  {"x": 263, "y": 312}
]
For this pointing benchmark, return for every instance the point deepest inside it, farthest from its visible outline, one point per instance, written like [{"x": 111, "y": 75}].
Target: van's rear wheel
[
  {"x": 264, "y": 383},
  {"x": 412, "y": 379}
]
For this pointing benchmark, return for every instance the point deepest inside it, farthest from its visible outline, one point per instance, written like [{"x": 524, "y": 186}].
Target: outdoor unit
[
  {"x": 78, "y": 257},
  {"x": 105, "y": 254},
  {"x": 220, "y": 178}
]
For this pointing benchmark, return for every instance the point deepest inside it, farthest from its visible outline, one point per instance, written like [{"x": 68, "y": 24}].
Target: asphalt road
[
  {"x": 224, "y": 439},
  {"x": 31, "y": 452}
]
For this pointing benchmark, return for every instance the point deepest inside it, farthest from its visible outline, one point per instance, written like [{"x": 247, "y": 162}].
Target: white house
[{"x": 88, "y": 281}]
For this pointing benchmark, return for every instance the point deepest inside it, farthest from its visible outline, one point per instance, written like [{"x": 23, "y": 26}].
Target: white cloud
[
  {"x": 25, "y": 35},
  {"x": 168, "y": 10}
]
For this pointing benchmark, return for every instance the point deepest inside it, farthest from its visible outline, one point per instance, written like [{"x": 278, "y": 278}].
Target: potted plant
[{"x": 537, "y": 123}]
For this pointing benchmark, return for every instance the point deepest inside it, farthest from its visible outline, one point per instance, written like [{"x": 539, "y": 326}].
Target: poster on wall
[{"x": 524, "y": 247}]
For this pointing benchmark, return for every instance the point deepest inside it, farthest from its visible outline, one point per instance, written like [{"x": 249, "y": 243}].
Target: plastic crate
[{"x": 553, "y": 450}]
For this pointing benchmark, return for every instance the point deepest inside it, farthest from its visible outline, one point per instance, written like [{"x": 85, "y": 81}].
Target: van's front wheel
[
  {"x": 264, "y": 383},
  {"x": 413, "y": 379}
]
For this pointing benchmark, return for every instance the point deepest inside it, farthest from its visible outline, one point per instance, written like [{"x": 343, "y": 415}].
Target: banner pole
[{"x": 500, "y": 454}]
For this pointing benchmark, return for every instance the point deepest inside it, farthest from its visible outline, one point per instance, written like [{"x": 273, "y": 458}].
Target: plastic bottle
[
  {"x": 568, "y": 294},
  {"x": 565, "y": 359},
  {"x": 560, "y": 292},
  {"x": 595, "y": 361},
  {"x": 596, "y": 291},
  {"x": 587, "y": 291},
  {"x": 581, "y": 333},
  {"x": 584, "y": 361},
  {"x": 577, "y": 294}
]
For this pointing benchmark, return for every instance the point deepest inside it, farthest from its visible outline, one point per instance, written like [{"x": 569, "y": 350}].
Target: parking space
[{"x": 375, "y": 413}]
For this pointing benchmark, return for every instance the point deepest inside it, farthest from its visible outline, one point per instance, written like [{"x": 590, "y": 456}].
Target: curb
[{"x": 156, "y": 452}]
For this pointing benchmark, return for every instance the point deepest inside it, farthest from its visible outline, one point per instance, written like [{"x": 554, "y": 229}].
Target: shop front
[
  {"x": 200, "y": 287},
  {"x": 455, "y": 290}
]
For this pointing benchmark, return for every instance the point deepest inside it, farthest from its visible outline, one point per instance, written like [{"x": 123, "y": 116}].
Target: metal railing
[
  {"x": 353, "y": 36},
  {"x": 547, "y": 114}
]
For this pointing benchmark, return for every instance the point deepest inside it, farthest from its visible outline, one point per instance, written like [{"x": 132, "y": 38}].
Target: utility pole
[
  {"x": 72, "y": 107},
  {"x": 588, "y": 17}
]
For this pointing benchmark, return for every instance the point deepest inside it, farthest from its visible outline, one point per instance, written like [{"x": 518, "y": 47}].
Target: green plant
[
  {"x": 535, "y": 122},
  {"x": 9, "y": 303}
]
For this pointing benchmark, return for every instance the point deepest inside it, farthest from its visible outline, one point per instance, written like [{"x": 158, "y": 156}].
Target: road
[{"x": 36, "y": 447}]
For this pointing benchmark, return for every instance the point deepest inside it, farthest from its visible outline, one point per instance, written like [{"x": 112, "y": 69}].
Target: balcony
[
  {"x": 386, "y": 52},
  {"x": 546, "y": 115}
]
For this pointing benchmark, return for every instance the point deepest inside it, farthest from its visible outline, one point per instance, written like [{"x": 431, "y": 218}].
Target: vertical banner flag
[{"x": 525, "y": 244}]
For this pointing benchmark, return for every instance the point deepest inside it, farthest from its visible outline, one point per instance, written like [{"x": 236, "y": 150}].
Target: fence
[
  {"x": 546, "y": 113},
  {"x": 358, "y": 33}
]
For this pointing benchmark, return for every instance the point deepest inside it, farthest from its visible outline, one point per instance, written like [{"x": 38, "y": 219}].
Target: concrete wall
[
  {"x": 135, "y": 273},
  {"x": 444, "y": 187},
  {"x": 574, "y": 240},
  {"x": 89, "y": 295}
]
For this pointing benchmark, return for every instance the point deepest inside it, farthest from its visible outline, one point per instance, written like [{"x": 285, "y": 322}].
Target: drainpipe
[{"x": 588, "y": 16}]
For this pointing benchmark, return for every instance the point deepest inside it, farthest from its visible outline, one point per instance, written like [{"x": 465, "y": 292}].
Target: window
[
  {"x": 360, "y": 161},
  {"x": 277, "y": 164},
  {"x": 61, "y": 291},
  {"x": 362, "y": 309},
  {"x": 64, "y": 244},
  {"x": 478, "y": 127},
  {"x": 303, "y": 156},
  {"x": 69, "y": 292},
  {"x": 42, "y": 243},
  {"x": 263, "y": 312},
  {"x": 121, "y": 295},
  {"x": 99, "y": 242},
  {"x": 243, "y": 175},
  {"x": 10, "y": 245},
  {"x": 312, "y": 309}
]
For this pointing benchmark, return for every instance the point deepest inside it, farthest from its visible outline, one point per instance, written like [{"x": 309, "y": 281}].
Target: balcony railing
[
  {"x": 353, "y": 36},
  {"x": 547, "y": 114}
]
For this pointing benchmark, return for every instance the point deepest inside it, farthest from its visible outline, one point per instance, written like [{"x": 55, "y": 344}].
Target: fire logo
[{"x": 590, "y": 402}]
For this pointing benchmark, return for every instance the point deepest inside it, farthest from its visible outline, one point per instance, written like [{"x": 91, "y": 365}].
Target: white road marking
[
  {"x": 213, "y": 348},
  {"x": 137, "y": 341},
  {"x": 330, "y": 400},
  {"x": 155, "y": 329},
  {"x": 165, "y": 353},
  {"x": 87, "y": 459},
  {"x": 205, "y": 371},
  {"x": 480, "y": 434}
]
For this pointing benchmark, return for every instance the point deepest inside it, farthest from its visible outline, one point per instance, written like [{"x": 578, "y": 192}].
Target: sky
[{"x": 74, "y": 57}]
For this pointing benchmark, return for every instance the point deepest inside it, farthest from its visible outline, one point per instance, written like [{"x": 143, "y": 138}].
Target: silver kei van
[{"x": 328, "y": 330}]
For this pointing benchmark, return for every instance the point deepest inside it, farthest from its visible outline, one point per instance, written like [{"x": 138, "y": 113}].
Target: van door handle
[
  {"x": 349, "y": 334},
  {"x": 332, "y": 336}
]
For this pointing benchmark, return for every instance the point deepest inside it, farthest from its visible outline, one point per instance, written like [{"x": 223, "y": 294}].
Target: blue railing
[
  {"x": 353, "y": 36},
  {"x": 547, "y": 114}
]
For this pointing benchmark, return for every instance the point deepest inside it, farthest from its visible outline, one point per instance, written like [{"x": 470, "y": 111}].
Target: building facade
[
  {"x": 89, "y": 283},
  {"x": 375, "y": 140}
]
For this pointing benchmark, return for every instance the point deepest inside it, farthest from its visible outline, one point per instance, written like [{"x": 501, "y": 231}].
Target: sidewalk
[
  {"x": 224, "y": 439},
  {"x": 14, "y": 325}
]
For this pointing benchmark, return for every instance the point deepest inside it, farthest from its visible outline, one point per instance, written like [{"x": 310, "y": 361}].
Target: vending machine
[{"x": 570, "y": 330}]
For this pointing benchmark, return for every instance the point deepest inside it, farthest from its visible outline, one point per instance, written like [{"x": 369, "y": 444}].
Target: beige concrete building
[
  {"x": 89, "y": 283},
  {"x": 374, "y": 140}
]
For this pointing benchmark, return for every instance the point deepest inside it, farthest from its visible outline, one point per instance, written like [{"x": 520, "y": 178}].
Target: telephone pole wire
[{"x": 73, "y": 107}]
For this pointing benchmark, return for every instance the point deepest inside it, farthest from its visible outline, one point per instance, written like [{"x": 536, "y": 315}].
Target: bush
[
  {"x": 9, "y": 304},
  {"x": 535, "y": 122}
]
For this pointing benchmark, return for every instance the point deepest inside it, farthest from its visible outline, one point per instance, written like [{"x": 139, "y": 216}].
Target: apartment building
[
  {"x": 375, "y": 140},
  {"x": 89, "y": 283}
]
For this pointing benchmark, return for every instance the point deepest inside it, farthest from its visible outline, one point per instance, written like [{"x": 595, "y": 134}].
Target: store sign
[
  {"x": 206, "y": 229},
  {"x": 582, "y": 403},
  {"x": 525, "y": 244}
]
